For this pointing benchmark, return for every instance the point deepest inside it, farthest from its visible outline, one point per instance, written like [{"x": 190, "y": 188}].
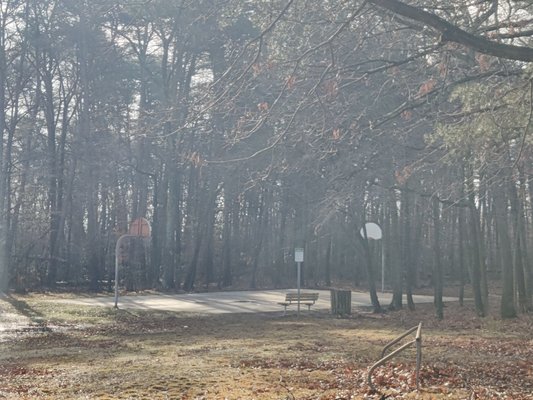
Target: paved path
[{"x": 230, "y": 302}]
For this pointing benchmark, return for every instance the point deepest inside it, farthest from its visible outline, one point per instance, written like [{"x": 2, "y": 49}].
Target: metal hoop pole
[{"x": 117, "y": 262}]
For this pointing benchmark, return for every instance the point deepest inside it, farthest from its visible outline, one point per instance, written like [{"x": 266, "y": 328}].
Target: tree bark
[
  {"x": 393, "y": 239},
  {"x": 477, "y": 259},
  {"x": 437, "y": 263},
  {"x": 370, "y": 271},
  {"x": 408, "y": 257},
  {"x": 507, "y": 308},
  {"x": 452, "y": 33},
  {"x": 521, "y": 269},
  {"x": 462, "y": 254},
  {"x": 4, "y": 262}
]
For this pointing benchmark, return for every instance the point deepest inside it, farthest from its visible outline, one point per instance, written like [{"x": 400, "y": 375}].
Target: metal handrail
[
  {"x": 392, "y": 343},
  {"x": 418, "y": 339},
  {"x": 384, "y": 358}
]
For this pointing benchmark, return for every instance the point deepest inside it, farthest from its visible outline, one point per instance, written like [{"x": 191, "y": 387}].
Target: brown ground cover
[{"x": 52, "y": 351}]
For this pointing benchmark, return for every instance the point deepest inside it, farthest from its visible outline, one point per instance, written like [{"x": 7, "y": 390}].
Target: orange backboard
[{"x": 140, "y": 227}]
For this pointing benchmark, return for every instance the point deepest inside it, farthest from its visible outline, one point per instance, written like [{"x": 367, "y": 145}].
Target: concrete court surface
[{"x": 231, "y": 302}]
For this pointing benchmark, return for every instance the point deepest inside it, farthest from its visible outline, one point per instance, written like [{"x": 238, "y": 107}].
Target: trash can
[{"x": 341, "y": 302}]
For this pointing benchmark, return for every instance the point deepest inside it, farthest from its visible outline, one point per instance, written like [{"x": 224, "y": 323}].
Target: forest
[{"x": 242, "y": 129}]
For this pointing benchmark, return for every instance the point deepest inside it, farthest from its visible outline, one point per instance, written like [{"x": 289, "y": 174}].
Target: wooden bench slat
[{"x": 306, "y": 298}]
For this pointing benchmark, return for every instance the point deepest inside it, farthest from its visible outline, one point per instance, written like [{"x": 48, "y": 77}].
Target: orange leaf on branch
[
  {"x": 263, "y": 106},
  {"x": 483, "y": 61},
  {"x": 407, "y": 115},
  {"x": 256, "y": 68},
  {"x": 291, "y": 82},
  {"x": 426, "y": 87}
]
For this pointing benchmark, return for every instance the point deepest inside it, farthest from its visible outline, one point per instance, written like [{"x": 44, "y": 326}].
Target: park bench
[{"x": 305, "y": 298}]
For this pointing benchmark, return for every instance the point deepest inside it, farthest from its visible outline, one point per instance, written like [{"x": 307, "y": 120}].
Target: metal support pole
[
  {"x": 117, "y": 262},
  {"x": 384, "y": 358},
  {"x": 418, "y": 354},
  {"x": 298, "y": 285},
  {"x": 382, "y": 266}
]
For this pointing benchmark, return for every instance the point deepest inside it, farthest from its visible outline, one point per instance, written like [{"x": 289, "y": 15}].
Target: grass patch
[{"x": 60, "y": 351}]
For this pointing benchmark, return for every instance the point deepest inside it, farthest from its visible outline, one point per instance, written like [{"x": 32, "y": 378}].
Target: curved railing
[{"x": 417, "y": 342}]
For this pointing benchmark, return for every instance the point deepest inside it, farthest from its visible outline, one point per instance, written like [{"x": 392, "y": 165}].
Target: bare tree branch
[{"x": 452, "y": 33}]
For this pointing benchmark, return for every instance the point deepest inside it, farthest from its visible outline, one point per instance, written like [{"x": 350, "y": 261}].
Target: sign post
[
  {"x": 138, "y": 228},
  {"x": 299, "y": 258},
  {"x": 373, "y": 231}
]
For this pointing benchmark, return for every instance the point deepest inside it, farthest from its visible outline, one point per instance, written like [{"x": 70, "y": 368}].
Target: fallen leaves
[
  {"x": 270, "y": 357},
  {"x": 12, "y": 370}
]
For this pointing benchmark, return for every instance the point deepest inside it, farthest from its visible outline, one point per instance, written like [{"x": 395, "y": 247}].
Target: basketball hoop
[{"x": 140, "y": 227}]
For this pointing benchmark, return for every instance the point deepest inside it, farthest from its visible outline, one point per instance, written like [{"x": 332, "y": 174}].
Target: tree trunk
[
  {"x": 258, "y": 236},
  {"x": 523, "y": 232},
  {"x": 171, "y": 254},
  {"x": 461, "y": 244},
  {"x": 500, "y": 215},
  {"x": 190, "y": 278},
  {"x": 408, "y": 257},
  {"x": 520, "y": 262},
  {"x": 4, "y": 262},
  {"x": 159, "y": 227},
  {"x": 477, "y": 260},
  {"x": 227, "y": 274},
  {"x": 437, "y": 263},
  {"x": 392, "y": 238},
  {"x": 370, "y": 271},
  {"x": 203, "y": 218},
  {"x": 327, "y": 262}
]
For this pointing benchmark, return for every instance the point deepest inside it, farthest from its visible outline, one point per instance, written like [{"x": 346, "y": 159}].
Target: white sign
[
  {"x": 299, "y": 254},
  {"x": 373, "y": 231}
]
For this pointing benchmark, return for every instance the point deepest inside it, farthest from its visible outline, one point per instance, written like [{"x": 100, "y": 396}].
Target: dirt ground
[{"x": 61, "y": 351}]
